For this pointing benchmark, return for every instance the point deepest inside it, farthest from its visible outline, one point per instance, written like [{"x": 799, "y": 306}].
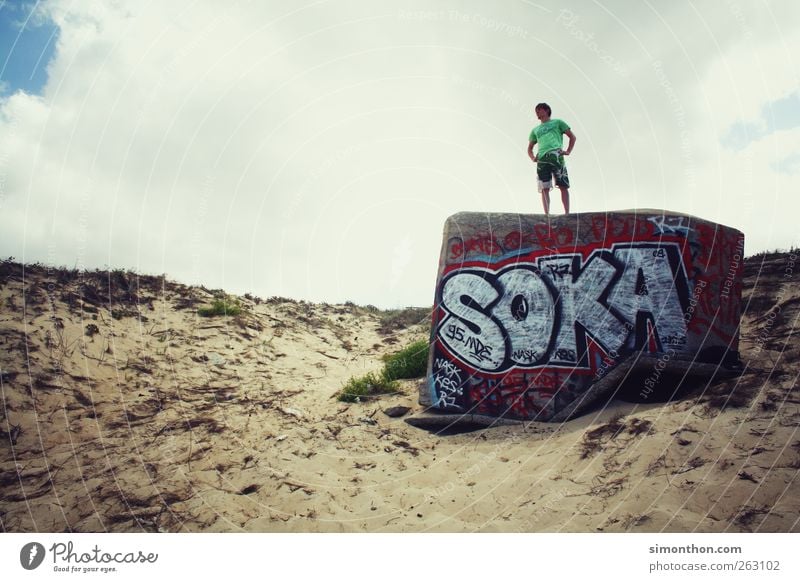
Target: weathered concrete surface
[{"x": 538, "y": 320}]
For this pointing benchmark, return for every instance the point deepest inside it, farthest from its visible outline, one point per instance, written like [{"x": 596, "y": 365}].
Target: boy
[{"x": 550, "y": 157}]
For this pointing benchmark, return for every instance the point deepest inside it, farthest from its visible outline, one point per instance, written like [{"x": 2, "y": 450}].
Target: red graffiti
[
  {"x": 717, "y": 249},
  {"x": 486, "y": 245},
  {"x": 719, "y": 264},
  {"x": 607, "y": 228},
  {"x": 522, "y": 394},
  {"x": 553, "y": 236},
  {"x": 514, "y": 397},
  {"x": 515, "y": 240}
]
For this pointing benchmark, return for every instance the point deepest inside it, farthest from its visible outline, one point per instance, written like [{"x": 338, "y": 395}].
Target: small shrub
[
  {"x": 410, "y": 362},
  {"x": 398, "y": 319},
  {"x": 120, "y": 313},
  {"x": 370, "y": 385},
  {"x": 220, "y": 307},
  {"x": 276, "y": 300},
  {"x": 254, "y": 298}
]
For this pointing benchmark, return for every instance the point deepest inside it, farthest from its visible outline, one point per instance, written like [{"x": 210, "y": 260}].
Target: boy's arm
[
  {"x": 572, "y": 139},
  {"x": 530, "y": 151}
]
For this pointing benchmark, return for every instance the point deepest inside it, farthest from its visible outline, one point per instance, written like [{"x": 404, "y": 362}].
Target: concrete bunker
[{"x": 539, "y": 318}]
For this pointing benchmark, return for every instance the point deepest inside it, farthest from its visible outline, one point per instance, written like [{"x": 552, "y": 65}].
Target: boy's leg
[
  {"x": 544, "y": 174},
  {"x": 565, "y": 198},
  {"x": 562, "y": 181}
]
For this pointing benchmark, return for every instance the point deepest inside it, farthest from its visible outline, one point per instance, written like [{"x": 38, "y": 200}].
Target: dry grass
[{"x": 596, "y": 439}]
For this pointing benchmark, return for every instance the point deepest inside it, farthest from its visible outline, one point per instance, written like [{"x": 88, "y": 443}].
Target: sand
[{"x": 124, "y": 410}]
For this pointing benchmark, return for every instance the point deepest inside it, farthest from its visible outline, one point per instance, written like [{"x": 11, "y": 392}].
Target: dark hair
[{"x": 544, "y": 106}]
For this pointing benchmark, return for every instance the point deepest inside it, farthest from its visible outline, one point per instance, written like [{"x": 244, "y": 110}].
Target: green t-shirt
[{"x": 548, "y": 135}]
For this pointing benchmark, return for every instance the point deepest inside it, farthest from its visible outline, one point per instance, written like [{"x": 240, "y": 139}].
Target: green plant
[
  {"x": 410, "y": 362},
  {"x": 371, "y": 384},
  {"x": 220, "y": 307},
  {"x": 394, "y": 320}
]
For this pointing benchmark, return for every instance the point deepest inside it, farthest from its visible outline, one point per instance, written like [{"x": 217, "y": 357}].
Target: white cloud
[{"x": 748, "y": 76}]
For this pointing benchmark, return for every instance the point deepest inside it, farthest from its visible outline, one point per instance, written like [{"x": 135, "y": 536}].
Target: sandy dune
[{"x": 123, "y": 410}]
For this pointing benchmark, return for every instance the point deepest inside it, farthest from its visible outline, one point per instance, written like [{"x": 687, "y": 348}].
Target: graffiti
[
  {"x": 673, "y": 340},
  {"x": 447, "y": 381},
  {"x": 559, "y": 271},
  {"x": 482, "y": 304},
  {"x": 523, "y": 394},
  {"x": 542, "y": 235},
  {"x": 531, "y": 314},
  {"x": 670, "y": 225},
  {"x": 478, "y": 349},
  {"x": 565, "y": 355},
  {"x": 549, "y": 236},
  {"x": 719, "y": 268},
  {"x": 455, "y": 333},
  {"x": 514, "y": 239},
  {"x": 529, "y": 356},
  {"x": 615, "y": 227},
  {"x": 486, "y": 245}
]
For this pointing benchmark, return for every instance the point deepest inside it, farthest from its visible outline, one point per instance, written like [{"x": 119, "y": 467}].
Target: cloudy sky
[{"x": 314, "y": 149}]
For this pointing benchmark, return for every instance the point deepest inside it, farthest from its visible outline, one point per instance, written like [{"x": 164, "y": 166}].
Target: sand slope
[{"x": 123, "y": 410}]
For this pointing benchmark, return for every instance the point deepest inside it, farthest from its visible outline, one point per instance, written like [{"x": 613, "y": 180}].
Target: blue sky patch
[
  {"x": 788, "y": 165},
  {"x": 775, "y": 116},
  {"x": 27, "y": 43}
]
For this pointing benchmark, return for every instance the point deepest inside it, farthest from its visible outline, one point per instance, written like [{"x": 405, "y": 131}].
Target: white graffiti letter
[
  {"x": 594, "y": 279},
  {"x": 648, "y": 286},
  {"x": 466, "y": 331},
  {"x": 527, "y": 312}
]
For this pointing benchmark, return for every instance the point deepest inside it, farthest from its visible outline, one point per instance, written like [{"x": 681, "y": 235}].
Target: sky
[{"x": 313, "y": 149}]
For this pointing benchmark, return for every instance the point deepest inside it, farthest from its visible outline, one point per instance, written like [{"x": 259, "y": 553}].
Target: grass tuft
[
  {"x": 367, "y": 386},
  {"x": 410, "y": 362},
  {"x": 220, "y": 307}
]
